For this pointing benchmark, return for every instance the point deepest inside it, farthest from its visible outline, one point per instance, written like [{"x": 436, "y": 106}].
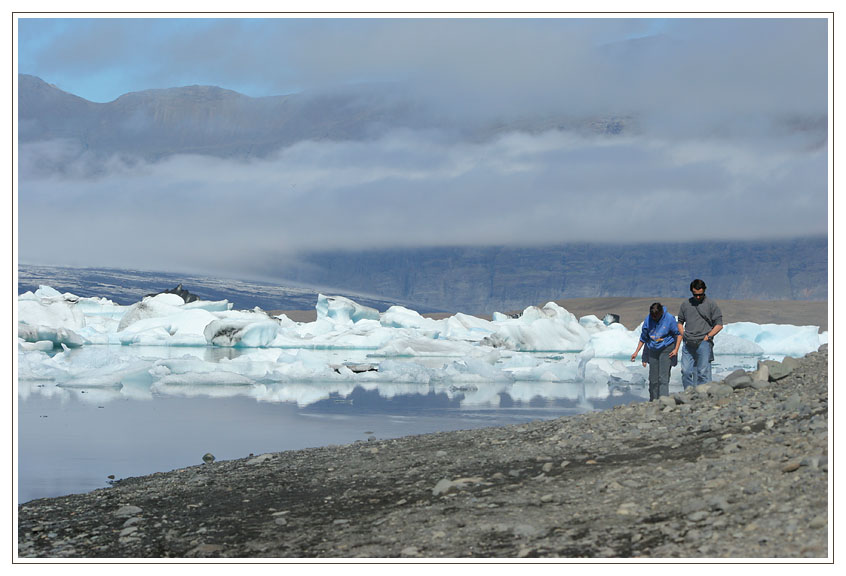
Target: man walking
[{"x": 700, "y": 319}]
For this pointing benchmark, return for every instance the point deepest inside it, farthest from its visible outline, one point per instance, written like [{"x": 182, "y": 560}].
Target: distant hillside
[
  {"x": 209, "y": 120},
  {"x": 488, "y": 279},
  {"x": 130, "y": 286}
]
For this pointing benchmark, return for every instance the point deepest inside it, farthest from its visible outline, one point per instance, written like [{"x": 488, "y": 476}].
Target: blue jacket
[{"x": 657, "y": 335}]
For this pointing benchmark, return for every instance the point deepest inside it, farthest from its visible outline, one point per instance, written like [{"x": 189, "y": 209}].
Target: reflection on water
[
  {"x": 71, "y": 440},
  {"x": 73, "y": 435}
]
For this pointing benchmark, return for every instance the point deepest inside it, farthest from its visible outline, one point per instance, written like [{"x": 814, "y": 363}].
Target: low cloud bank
[{"x": 415, "y": 189}]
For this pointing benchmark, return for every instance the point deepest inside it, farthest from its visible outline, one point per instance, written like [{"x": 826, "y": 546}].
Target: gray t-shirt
[{"x": 699, "y": 317}]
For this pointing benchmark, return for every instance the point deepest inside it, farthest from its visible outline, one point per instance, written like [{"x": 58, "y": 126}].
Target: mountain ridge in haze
[{"x": 153, "y": 124}]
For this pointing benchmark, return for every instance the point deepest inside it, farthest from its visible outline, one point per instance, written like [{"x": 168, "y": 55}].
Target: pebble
[{"x": 125, "y": 511}]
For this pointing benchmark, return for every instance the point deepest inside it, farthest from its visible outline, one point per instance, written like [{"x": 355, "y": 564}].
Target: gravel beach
[{"x": 736, "y": 469}]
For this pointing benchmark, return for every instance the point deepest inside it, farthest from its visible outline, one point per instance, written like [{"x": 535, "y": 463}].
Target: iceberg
[
  {"x": 776, "y": 339},
  {"x": 163, "y": 345}
]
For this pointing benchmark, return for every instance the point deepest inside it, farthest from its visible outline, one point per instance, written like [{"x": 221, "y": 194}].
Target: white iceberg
[{"x": 162, "y": 345}]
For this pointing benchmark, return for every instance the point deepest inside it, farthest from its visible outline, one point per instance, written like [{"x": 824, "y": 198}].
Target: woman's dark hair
[
  {"x": 656, "y": 309},
  {"x": 697, "y": 285}
]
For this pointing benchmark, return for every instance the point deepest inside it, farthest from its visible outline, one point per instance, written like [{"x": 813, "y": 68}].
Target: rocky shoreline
[{"x": 736, "y": 469}]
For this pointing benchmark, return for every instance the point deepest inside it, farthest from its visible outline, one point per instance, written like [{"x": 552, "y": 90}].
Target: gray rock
[
  {"x": 703, "y": 389},
  {"x": 793, "y": 403},
  {"x": 761, "y": 384},
  {"x": 738, "y": 379},
  {"x": 668, "y": 401},
  {"x": 720, "y": 390},
  {"x": 261, "y": 459},
  {"x": 694, "y": 505},
  {"x": 778, "y": 370},
  {"x": 698, "y": 516},
  {"x": 442, "y": 487},
  {"x": 127, "y": 511},
  {"x": 719, "y": 503},
  {"x": 762, "y": 374},
  {"x": 790, "y": 363}
]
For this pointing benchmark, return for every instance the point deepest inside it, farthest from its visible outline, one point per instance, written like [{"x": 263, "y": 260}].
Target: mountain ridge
[{"x": 211, "y": 120}]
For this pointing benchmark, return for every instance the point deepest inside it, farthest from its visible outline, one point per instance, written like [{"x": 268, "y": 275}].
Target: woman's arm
[
  {"x": 675, "y": 351},
  {"x": 639, "y": 346}
]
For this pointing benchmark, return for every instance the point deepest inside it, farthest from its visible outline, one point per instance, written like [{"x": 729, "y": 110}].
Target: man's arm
[
  {"x": 717, "y": 316},
  {"x": 713, "y": 332}
]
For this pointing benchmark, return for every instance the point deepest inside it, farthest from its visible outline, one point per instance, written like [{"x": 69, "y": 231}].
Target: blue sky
[
  {"x": 722, "y": 107},
  {"x": 103, "y": 58}
]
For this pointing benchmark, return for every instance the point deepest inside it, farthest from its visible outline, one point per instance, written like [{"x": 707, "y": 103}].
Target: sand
[{"x": 632, "y": 311}]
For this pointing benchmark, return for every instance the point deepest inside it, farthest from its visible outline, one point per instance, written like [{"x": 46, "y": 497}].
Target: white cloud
[{"x": 412, "y": 188}]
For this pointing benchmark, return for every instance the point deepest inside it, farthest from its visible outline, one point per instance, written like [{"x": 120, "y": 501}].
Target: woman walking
[{"x": 661, "y": 336}]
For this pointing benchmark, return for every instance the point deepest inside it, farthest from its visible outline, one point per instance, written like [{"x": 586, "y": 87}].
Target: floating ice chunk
[
  {"x": 550, "y": 328},
  {"x": 203, "y": 380},
  {"x": 558, "y": 371},
  {"x": 44, "y": 345},
  {"x": 324, "y": 334},
  {"x": 585, "y": 356},
  {"x": 611, "y": 370},
  {"x": 343, "y": 310},
  {"x": 777, "y": 339},
  {"x": 211, "y": 306},
  {"x": 213, "y": 384},
  {"x": 614, "y": 342},
  {"x": 609, "y": 319},
  {"x": 474, "y": 370},
  {"x": 100, "y": 307},
  {"x": 424, "y": 347},
  {"x": 592, "y": 324},
  {"x": 500, "y": 317},
  {"x": 57, "y": 336},
  {"x": 246, "y": 332},
  {"x": 151, "y": 307},
  {"x": 405, "y": 372},
  {"x": 465, "y": 327},
  {"x": 50, "y": 316},
  {"x": 181, "y": 328},
  {"x": 728, "y": 344},
  {"x": 47, "y": 292},
  {"x": 400, "y": 317}
]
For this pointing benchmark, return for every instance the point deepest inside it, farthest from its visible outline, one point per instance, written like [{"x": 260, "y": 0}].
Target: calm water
[{"x": 71, "y": 440}]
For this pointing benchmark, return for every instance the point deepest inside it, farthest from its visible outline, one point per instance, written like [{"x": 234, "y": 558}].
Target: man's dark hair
[
  {"x": 656, "y": 309},
  {"x": 697, "y": 285}
]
